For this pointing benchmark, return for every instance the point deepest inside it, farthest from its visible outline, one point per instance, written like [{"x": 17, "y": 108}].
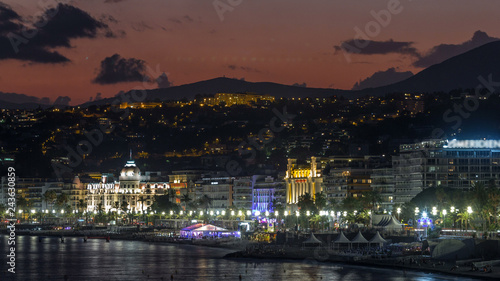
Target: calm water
[{"x": 127, "y": 260}]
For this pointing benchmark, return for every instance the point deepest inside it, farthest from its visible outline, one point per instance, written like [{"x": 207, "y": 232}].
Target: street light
[
  {"x": 399, "y": 212},
  {"x": 267, "y": 213}
]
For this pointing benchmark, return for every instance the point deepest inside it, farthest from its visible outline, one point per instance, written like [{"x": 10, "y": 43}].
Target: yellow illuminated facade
[
  {"x": 302, "y": 179},
  {"x": 230, "y": 99}
]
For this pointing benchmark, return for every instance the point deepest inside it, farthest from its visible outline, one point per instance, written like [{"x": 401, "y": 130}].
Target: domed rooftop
[{"x": 130, "y": 170}]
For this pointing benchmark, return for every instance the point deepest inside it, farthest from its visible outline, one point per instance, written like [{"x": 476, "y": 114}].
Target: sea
[{"x": 123, "y": 260}]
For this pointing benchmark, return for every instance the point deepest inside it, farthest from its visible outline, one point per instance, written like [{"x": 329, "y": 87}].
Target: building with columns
[
  {"x": 301, "y": 179},
  {"x": 134, "y": 192}
]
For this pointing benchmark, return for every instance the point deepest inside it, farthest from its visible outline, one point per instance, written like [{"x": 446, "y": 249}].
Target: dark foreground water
[{"x": 134, "y": 260}]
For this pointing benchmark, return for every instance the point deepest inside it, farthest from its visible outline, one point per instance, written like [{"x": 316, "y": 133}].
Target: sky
[{"x": 85, "y": 49}]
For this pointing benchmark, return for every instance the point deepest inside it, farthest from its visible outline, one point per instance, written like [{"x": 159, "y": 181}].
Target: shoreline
[
  {"x": 388, "y": 264},
  {"x": 300, "y": 255}
]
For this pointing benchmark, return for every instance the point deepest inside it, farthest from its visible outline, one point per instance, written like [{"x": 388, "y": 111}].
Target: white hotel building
[
  {"x": 133, "y": 191},
  {"x": 451, "y": 163}
]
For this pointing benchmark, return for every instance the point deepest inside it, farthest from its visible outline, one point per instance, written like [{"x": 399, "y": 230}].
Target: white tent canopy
[
  {"x": 377, "y": 239},
  {"x": 312, "y": 240},
  {"x": 387, "y": 222},
  {"x": 341, "y": 239},
  {"x": 359, "y": 238}
]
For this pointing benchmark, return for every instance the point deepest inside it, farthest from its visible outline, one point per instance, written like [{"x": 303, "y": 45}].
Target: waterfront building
[
  {"x": 243, "y": 192},
  {"x": 451, "y": 163},
  {"x": 267, "y": 191},
  {"x": 301, "y": 179},
  {"x": 383, "y": 181},
  {"x": 133, "y": 192},
  {"x": 33, "y": 189},
  {"x": 218, "y": 187}
]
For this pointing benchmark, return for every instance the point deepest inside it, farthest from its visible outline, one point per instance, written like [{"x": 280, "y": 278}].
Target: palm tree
[
  {"x": 61, "y": 200},
  {"x": 185, "y": 198},
  {"x": 50, "y": 197},
  {"x": 81, "y": 205},
  {"x": 464, "y": 217},
  {"x": 205, "y": 202},
  {"x": 371, "y": 198},
  {"x": 320, "y": 200},
  {"x": 306, "y": 203}
]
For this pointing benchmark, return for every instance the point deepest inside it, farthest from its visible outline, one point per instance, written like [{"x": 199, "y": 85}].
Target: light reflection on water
[{"x": 133, "y": 260}]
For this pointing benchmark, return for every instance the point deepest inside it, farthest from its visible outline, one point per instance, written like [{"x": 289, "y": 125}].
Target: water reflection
[{"x": 132, "y": 260}]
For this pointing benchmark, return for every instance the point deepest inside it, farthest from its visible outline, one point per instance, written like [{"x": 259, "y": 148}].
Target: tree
[
  {"x": 464, "y": 217},
  {"x": 371, "y": 199},
  {"x": 81, "y": 205},
  {"x": 50, "y": 197},
  {"x": 320, "y": 200},
  {"x": 351, "y": 204},
  {"x": 61, "y": 200},
  {"x": 306, "y": 203},
  {"x": 205, "y": 202},
  {"x": 333, "y": 204},
  {"x": 3, "y": 209},
  {"x": 185, "y": 199}
]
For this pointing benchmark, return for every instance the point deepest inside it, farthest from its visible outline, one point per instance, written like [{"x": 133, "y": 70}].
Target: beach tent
[
  {"x": 386, "y": 222},
  {"x": 341, "y": 239},
  {"x": 377, "y": 239},
  {"x": 311, "y": 241},
  {"x": 359, "y": 239},
  {"x": 199, "y": 230}
]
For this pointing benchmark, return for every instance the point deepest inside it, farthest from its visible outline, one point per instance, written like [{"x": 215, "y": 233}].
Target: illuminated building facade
[
  {"x": 230, "y": 99},
  {"x": 266, "y": 191},
  {"x": 133, "y": 192},
  {"x": 302, "y": 179},
  {"x": 453, "y": 163}
]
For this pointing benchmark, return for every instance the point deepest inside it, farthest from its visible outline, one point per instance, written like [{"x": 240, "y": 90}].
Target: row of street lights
[{"x": 434, "y": 212}]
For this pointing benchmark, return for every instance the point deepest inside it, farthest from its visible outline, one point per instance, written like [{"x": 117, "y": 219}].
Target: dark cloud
[
  {"x": 64, "y": 23},
  {"x": 163, "y": 81},
  {"x": 382, "y": 78},
  {"x": 116, "y": 69},
  {"x": 244, "y": 68},
  {"x": 369, "y": 47},
  {"x": 114, "y": 1},
  {"x": 443, "y": 52},
  {"x": 62, "y": 100},
  {"x": 55, "y": 28},
  {"x": 140, "y": 26}
]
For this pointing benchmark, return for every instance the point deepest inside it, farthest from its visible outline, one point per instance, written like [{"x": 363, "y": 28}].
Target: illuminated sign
[
  {"x": 101, "y": 186},
  {"x": 473, "y": 144}
]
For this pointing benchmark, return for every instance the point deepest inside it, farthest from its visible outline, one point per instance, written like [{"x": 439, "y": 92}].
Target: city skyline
[{"x": 192, "y": 41}]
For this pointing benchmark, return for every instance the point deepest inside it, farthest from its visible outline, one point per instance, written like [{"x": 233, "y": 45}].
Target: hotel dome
[{"x": 130, "y": 171}]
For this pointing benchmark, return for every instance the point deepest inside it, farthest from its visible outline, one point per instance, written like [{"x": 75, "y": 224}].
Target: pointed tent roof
[
  {"x": 312, "y": 240},
  {"x": 203, "y": 227},
  {"x": 378, "y": 239},
  {"x": 359, "y": 238},
  {"x": 342, "y": 239},
  {"x": 386, "y": 221}
]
